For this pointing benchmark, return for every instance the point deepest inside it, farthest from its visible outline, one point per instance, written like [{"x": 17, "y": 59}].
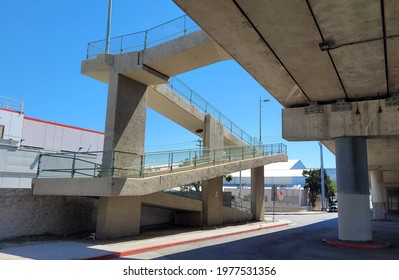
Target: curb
[
  {"x": 168, "y": 245},
  {"x": 357, "y": 245}
]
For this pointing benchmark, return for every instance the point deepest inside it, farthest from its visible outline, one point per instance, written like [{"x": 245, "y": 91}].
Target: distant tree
[
  {"x": 332, "y": 192},
  {"x": 313, "y": 184}
]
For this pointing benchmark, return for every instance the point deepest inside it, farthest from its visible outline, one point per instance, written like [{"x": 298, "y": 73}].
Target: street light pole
[
  {"x": 323, "y": 204},
  {"x": 107, "y": 38},
  {"x": 260, "y": 117}
]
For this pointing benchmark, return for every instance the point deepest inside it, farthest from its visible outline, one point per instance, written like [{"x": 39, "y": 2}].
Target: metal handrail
[
  {"x": 149, "y": 164},
  {"x": 143, "y": 39},
  {"x": 11, "y": 104},
  {"x": 203, "y": 105}
]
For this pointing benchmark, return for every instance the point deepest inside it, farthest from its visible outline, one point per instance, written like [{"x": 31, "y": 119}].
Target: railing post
[
  {"x": 242, "y": 155},
  {"x": 145, "y": 39},
  {"x": 214, "y": 156},
  {"x": 195, "y": 159},
  {"x": 87, "y": 51},
  {"x": 38, "y": 165},
  {"x": 185, "y": 24},
  {"x": 171, "y": 161},
  {"x": 121, "y": 46},
  {"x": 112, "y": 164},
  {"x": 230, "y": 155},
  {"x": 73, "y": 165},
  {"x": 142, "y": 166}
]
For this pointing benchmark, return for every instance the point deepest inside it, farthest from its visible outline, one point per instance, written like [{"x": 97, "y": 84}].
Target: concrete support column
[
  {"x": 212, "y": 190},
  {"x": 212, "y": 196},
  {"x": 118, "y": 217},
  {"x": 125, "y": 125},
  {"x": 258, "y": 193},
  {"x": 378, "y": 194},
  {"x": 354, "y": 221}
]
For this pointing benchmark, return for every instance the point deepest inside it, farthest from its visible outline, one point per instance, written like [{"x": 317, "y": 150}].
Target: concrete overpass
[
  {"x": 333, "y": 65},
  {"x": 135, "y": 82}
]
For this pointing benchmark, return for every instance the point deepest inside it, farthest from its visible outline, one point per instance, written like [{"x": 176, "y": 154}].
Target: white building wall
[
  {"x": 12, "y": 122},
  {"x": 17, "y": 167},
  {"x": 57, "y": 137},
  {"x": 19, "y": 157}
]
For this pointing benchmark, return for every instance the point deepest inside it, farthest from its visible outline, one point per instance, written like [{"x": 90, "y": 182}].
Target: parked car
[{"x": 333, "y": 207}]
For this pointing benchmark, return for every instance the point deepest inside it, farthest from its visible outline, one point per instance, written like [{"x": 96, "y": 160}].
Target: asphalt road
[{"x": 302, "y": 240}]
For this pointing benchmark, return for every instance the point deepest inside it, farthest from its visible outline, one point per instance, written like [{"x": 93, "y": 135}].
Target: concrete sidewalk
[{"x": 108, "y": 249}]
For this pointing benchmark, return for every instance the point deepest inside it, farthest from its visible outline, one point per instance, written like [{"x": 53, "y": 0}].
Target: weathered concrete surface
[
  {"x": 23, "y": 214},
  {"x": 169, "y": 104},
  {"x": 118, "y": 217},
  {"x": 258, "y": 193},
  {"x": 125, "y": 125},
  {"x": 299, "y": 126},
  {"x": 170, "y": 201},
  {"x": 212, "y": 189}
]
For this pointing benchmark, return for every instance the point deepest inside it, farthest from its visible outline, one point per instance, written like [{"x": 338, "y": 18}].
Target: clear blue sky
[{"x": 42, "y": 46}]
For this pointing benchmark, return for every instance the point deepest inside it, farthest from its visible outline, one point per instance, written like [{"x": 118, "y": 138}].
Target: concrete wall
[
  {"x": 22, "y": 214},
  {"x": 231, "y": 215},
  {"x": 293, "y": 198}
]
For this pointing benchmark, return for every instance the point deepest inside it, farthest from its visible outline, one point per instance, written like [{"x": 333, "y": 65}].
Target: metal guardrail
[
  {"x": 11, "y": 104},
  {"x": 142, "y": 40},
  {"x": 200, "y": 103},
  {"x": 73, "y": 165}
]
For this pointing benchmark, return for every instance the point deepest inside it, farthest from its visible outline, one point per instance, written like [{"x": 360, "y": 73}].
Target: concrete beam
[{"x": 301, "y": 126}]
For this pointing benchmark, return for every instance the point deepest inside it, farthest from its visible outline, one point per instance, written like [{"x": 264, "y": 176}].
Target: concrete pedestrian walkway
[{"x": 109, "y": 249}]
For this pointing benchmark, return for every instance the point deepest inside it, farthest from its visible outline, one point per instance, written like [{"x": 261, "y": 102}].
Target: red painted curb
[
  {"x": 168, "y": 245},
  {"x": 357, "y": 245}
]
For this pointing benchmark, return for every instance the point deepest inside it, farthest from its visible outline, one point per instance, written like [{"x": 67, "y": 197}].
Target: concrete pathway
[{"x": 108, "y": 249}]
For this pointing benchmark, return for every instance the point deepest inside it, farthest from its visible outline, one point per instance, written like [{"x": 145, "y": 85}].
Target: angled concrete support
[
  {"x": 212, "y": 190},
  {"x": 378, "y": 194},
  {"x": 258, "y": 193},
  {"x": 354, "y": 221},
  {"x": 125, "y": 125},
  {"x": 118, "y": 217}
]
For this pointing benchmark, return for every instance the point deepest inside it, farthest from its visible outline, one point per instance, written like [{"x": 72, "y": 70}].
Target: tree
[{"x": 313, "y": 184}]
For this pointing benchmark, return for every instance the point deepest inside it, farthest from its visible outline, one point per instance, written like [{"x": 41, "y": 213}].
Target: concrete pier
[{"x": 354, "y": 219}]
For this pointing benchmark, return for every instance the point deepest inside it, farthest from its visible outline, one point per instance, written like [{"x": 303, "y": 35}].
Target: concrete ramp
[
  {"x": 111, "y": 186},
  {"x": 169, "y": 104},
  {"x": 155, "y": 65}
]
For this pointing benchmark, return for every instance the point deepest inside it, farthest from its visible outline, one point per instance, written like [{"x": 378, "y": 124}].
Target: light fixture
[
  {"x": 324, "y": 46},
  {"x": 199, "y": 130}
]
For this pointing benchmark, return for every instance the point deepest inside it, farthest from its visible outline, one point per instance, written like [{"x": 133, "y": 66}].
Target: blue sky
[{"x": 43, "y": 43}]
